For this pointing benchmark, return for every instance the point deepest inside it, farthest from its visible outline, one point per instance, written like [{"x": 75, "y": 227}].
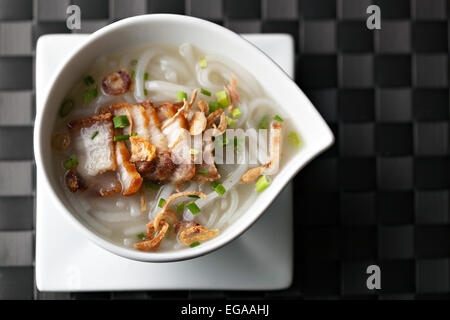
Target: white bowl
[{"x": 176, "y": 29}]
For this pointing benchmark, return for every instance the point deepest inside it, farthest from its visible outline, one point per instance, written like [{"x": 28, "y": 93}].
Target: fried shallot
[
  {"x": 190, "y": 232},
  {"x": 154, "y": 238},
  {"x": 272, "y": 165},
  {"x": 169, "y": 201}
]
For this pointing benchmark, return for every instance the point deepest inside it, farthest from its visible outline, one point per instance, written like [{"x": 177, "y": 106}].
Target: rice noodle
[
  {"x": 135, "y": 230},
  {"x": 165, "y": 90},
  {"x": 187, "y": 52},
  {"x": 140, "y": 71},
  {"x": 164, "y": 192},
  {"x": 112, "y": 216},
  {"x": 234, "y": 201},
  {"x": 212, "y": 219},
  {"x": 169, "y": 64}
]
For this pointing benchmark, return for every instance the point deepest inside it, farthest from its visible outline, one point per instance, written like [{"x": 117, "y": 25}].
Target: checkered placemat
[{"x": 379, "y": 196}]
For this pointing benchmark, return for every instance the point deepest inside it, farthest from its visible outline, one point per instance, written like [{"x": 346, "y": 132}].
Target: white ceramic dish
[{"x": 175, "y": 29}]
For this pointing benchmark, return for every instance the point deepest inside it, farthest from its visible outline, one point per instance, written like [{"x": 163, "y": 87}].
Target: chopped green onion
[
  {"x": 213, "y": 106},
  {"x": 181, "y": 95},
  {"x": 66, "y": 106},
  {"x": 152, "y": 185},
  {"x": 264, "y": 123},
  {"x": 203, "y": 63},
  {"x": 262, "y": 183},
  {"x": 194, "y": 151},
  {"x": 146, "y": 76},
  {"x": 141, "y": 236},
  {"x": 161, "y": 202},
  {"x": 294, "y": 139},
  {"x": 90, "y": 95},
  {"x": 219, "y": 188},
  {"x": 69, "y": 163},
  {"x": 203, "y": 171},
  {"x": 193, "y": 208},
  {"x": 278, "y": 118},
  {"x": 194, "y": 196},
  {"x": 94, "y": 135},
  {"x": 180, "y": 208},
  {"x": 230, "y": 121},
  {"x": 122, "y": 137},
  {"x": 88, "y": 80},
  {"x": 222, "y": 99},
  {"x": 121, "y": 121},
  {"x": 133, "y": 62},
  {"x": 134, "y": 134},
  {"x": 145, "y": 92},
  {"x": 133, "y": 74},
  {"x": 205, "y": 92},
  {"x": 193, "y": 245},
  {"x": 236, "y": 113}
]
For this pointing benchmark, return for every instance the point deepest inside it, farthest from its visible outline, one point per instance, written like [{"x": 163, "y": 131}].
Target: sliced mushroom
[
  {"x": 60, "y": 141},
  {"x": 73, "y": 180},
  {"x": 116, "y": 83}
]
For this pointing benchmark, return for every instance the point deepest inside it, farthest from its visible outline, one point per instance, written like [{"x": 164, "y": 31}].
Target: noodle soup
[{"x": 161, "y": 148}]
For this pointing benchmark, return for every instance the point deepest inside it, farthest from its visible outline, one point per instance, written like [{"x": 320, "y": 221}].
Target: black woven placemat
[{"x": 380, "y": 195}]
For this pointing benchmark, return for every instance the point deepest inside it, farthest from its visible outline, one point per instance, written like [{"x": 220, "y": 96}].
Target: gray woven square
[
  {"x": 16, "y": 38},
  {"x": 17, "y": 73},
  {"x": 16, "y": 9},
  {"x": 16, "y": 282},
  {"x": 127, "y": 8},
  {"x": 431, "y": 70},
  {"x": 393, "y": 105},
  {"x": 16, "y": 213},
  {"x": 16, "y": 178},
  {"x": 205, "y": 9},
  {"x": 16, "y": 248},
  {"x": 16, "y": 108},
  {"x": 52, "y": 10},
  {"x": 431, "y": 139},
  {"x": 394, "y": 37},
  {"x": 353, "y": 9},
  {"x": 395, "y": 173},
  {"x": 429, "y": 9},
  {"x": 280, "y": 9},
  {"x": 318, "y": 36},
  {"x": 356, "y": 71}
]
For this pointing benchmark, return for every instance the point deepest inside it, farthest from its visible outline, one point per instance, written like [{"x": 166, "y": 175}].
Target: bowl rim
[{"x": 177, "y": 255}]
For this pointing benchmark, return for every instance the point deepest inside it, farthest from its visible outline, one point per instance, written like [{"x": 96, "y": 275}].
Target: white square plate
[{"x": 67, "y": 261}]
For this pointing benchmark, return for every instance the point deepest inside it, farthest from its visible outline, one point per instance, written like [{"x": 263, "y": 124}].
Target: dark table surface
[{"x": 379, "y": 196}]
